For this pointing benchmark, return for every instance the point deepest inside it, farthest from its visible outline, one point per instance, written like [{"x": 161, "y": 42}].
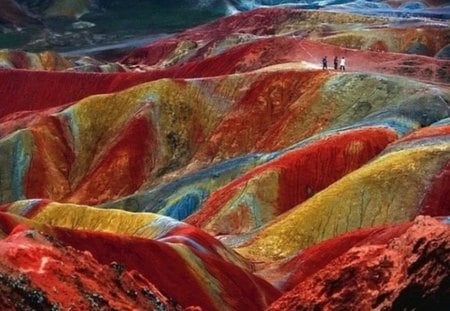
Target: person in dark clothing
[
  {"x": 324, "y": 63},
  {"x": 336, "y": 61}
]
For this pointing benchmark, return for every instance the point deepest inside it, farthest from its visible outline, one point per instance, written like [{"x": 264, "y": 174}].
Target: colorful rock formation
[
  {"x": 159, "y": 248},
  {"x": 363, "y": 196},
  {"x": 223, "y": 169},
  {"x": 234, "y": 43},
  {"x": 40, "y": 61}
]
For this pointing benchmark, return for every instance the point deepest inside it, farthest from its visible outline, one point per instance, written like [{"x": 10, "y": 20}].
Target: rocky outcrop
[
  {"x": 408, "y": 272},
  {"x": 16, "y": 59},
  {"x": 38, "y": 273}
]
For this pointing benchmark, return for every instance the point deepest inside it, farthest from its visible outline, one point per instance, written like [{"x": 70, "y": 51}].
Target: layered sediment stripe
[
  {"x": 361, "y": 199},
  {"x": 273, "y": 188},
  {"x": 320, "y": 112},
  {"x": 89, "y": 218},
  {"x": 145, "y": 225},
  {"x": 16, "y": 59}
]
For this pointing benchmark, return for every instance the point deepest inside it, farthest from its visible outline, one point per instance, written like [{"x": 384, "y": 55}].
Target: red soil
[
  {"x": 123, "y": 167},
  {"x": 426, "y": 133},
  {"x": 34, "y": 90},
  {"x": 165, "y": 268},
  {"x": 276, "y": 50},
  {"x": 436, "y": 201},
  {"x": 274, "y": 102},
  {"x": 24, "y": 90},
  {"x": 123, "y": 162},
  {"x": 200, "y": 240},
  {"x": 23, "y": 119},
  {"x": 156, "y": 261},
  {"x": 47, "y": 176},
  {"x": 37, "y": 273}
]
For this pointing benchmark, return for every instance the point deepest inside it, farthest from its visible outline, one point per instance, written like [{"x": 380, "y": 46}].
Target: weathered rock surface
[
  {"x": 38, "y": 273},
  {"x": 408, "y": 272},
  {"x": 159, "y": 248}
]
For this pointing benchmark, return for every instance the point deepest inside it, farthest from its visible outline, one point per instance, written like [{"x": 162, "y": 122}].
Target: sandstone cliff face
[{"x": 409, "y": 272}]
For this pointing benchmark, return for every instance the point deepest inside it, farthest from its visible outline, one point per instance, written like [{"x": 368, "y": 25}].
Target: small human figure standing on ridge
[
  {"x": 324, "y": 63},
  {"x": 336, "y": 63},
  {"x": 342, "y": 64}
]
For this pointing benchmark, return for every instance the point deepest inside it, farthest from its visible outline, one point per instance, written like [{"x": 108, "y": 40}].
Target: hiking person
[
  {"x": 342, "y": 64},
  {"x": 336, "y": 61},
  {"x": 324, "y": 63}
]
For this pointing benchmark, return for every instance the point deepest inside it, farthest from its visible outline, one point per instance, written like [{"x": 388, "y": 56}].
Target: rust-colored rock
[
  {"x": 38, "y": 273},
  {"x": 410, "y": 272}
]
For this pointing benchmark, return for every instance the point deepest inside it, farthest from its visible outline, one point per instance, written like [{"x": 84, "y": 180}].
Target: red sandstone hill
[
  {"x": 256, "y": 27},
  {"x": 39, "y": 273},
  {"x": 37, "y": 89},
  {"x": 178, "y": 264},
  {"x": 397, "y": 268},
  {"x": 241, "y": 43}
]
